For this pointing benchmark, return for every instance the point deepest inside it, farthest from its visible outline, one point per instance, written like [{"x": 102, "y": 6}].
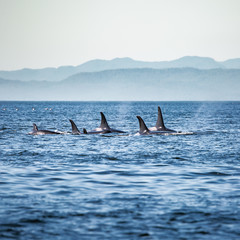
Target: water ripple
[{"x": 120, "y": 186}]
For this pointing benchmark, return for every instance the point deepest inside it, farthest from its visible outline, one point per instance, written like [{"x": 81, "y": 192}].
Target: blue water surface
[{"x": 120, "y": 186}]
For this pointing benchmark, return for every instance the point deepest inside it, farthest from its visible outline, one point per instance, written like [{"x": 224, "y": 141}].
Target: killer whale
[
  {"x": 104, "y": 127},
  {"x": 144, "y": 130},
  {"x": 160, "y": 126},
  {"x": 36, "y": 131},
  {"x": 75, "y": 130}
]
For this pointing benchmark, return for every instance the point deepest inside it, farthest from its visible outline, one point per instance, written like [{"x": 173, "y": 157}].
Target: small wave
[
  {"x": 218, "y": 174},
  {"x": 181, "y": 133},
  {"x": 213, "y": 173},
  {"x": 112, "y": 158},
  {"x": 11, "y": 225},
  {"x": 63, "y": 192},
  {"x": 207, "y": 132},
  {"x": 181, "y": 158},
  {"x": 3, "y": 128},
  {"x": 32, "y": 220},
  {"x": 23, "y": 153},
  {"x": 106, "y": 136}
]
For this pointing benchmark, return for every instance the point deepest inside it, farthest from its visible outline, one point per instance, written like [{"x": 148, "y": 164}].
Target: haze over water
[{"x": 120, "y": 186}]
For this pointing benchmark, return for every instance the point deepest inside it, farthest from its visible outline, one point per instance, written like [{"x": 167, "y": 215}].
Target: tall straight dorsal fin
[
  {"x": 74, "y": 127},
  {"x": 104, "y": 124},
  {"x": 142, "y": 125},
  {"x": 35, "y": 128},
  {"x": 160, "y": 123}
]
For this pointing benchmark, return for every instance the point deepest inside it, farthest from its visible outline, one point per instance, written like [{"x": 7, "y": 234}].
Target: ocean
[{"x": 120, "y": 186}]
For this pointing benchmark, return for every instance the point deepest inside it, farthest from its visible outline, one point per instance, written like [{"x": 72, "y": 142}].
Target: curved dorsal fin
[
  {"x": 85, "y": 131},
  {"x": 160, "y": 123},
  {"x": 35, "y": 128},
  {"x": 74, "y": 127},
  {"x": 104, "y": 124},
  {"x": 142, "y": 125}
]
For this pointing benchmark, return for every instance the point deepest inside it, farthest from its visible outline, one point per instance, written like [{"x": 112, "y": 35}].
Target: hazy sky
[{"x": 51, "y": 33}]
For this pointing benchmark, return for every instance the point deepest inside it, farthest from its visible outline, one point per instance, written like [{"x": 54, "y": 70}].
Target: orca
[
  {"x": 144, "y": 130},
  {"x": 160, "y": 124},
  {"x": 104, "y": 127},
  {"x": 41, "y": 132},
  {"x": 75, "y": 130}
]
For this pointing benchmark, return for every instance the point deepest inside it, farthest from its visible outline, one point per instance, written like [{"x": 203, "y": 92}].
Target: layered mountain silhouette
[
  {"x": 58, "y": 74},
  {"x": 188, "y": 78}
]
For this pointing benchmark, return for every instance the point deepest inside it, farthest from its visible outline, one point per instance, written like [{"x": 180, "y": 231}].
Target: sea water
[{"x": 120, "y": 186}]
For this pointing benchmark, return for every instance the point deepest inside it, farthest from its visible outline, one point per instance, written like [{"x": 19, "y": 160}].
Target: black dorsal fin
[
  {"x": 74, "y": 127},
  {"x": 35, "y": 128},
  {"x": 142, "y": 125},
  {"x": 104, "y": 124},
  {"x": 85, "y": 131},
  {"x": 160, "y": 123}
]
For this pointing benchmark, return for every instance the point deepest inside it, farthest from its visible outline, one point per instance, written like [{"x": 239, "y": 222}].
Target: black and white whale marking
[
  {"x": 159, "y": 128},
  {"x": 144, "y": 130},
  {"x": 35, "y": 131},
  {"x": 160, "y": 124},
  {"x": 75, "y": 130},
  {"x": 104, "y": 127}
]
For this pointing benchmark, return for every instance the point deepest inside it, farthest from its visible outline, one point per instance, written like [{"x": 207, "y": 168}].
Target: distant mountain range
[
  {"x": 131, "y": 84},
  {"x": 61, "y": 73}
]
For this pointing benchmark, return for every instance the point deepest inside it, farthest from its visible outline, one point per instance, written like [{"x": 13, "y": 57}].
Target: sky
[{"x": 53, "y": 33}]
